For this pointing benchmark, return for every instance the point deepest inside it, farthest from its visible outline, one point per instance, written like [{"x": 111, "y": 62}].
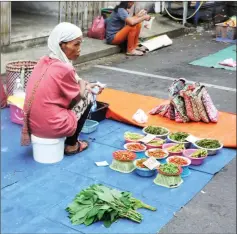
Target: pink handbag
[{"x": 97, "y": 29}]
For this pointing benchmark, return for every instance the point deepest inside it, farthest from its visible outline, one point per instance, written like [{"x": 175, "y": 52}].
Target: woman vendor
[
  {"x": 121, "y": 27},
  {"x": 58, "y": 101}
]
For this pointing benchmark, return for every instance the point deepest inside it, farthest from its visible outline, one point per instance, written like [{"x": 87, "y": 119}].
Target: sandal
[
  {"x": 142, "y": 49},
  {"x": 135, "y": 53},
  {"x": 79, "y": 149}
]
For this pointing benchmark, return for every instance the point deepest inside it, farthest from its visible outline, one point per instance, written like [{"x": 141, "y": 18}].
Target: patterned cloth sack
[
  {"x": 157, "y": 109},
  {"x": 170, "y": 114},
  {"x": 209, "y": 106},
  {"x": 190, "y": 105},
  {"x": 176, "y": 86},
  {"x": 180, "y": 110},
  {"x": 197, "y": 96}
]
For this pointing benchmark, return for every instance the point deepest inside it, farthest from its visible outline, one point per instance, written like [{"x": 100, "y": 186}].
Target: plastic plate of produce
[
  {"x": 158, "y": 131},
  {"x": 211, "y": 145},
  {"x": 135, "y": 147},
  {"x": 179, "y": 138},
  {"x": 157, "y": 153}
]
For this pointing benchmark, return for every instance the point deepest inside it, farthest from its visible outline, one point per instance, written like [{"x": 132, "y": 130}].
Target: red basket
[{"x": 13, "y": 72}]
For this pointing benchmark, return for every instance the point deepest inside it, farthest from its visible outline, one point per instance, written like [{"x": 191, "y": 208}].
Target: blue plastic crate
[{"x": 90, "y": 126}]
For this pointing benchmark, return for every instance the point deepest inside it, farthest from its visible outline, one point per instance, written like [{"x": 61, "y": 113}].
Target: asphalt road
[{"x": 214, "y": 209}]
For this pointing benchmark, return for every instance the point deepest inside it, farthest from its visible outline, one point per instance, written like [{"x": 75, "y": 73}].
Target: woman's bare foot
[{"x": 142, "y": 49}]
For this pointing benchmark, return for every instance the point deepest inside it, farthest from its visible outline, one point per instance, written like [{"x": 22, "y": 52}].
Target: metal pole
[{"x": 185, "y": 12}]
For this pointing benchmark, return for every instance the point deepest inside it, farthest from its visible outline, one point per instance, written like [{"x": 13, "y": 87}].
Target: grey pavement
[{"x": 212, "y": 210}]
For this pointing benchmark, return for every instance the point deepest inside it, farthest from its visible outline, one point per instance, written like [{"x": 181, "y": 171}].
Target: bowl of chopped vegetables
[
  {"x": 135, "y": 147},
  {"x": 170, "y": 169},
  {"x": 174, "y": 148},
  {"x": 132, "y": 137},
  {"x": 196, "y": 156},
  {"x": 179, "y": 160},
  {"x": 124, "y": 155},
  {"x": 157, "y": 153},
  {"x": 179, "y": 137},
  {"x": 155, "y": 143},
  {"x": 158, "y": 131},
  {"x": 211, "y": 145},
  {"x": 141, "y": 169}
]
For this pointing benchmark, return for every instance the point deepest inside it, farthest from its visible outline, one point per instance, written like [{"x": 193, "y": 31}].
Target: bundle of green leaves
[{"x": 100, "y": 203}]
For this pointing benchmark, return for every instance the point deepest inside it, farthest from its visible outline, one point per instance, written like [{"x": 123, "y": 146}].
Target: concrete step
[{"x": 91, "y": 49}]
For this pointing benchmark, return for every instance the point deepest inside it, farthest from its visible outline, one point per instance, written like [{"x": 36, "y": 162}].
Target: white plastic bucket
[{"x": 47, "y": 150}]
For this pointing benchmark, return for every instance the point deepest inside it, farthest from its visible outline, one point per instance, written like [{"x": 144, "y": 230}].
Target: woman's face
[
  {"x": 72, "y": 49},
  {"x": 130, "y": 4}
]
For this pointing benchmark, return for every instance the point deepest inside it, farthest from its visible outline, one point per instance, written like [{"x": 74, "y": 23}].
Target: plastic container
[
  {"x": 167, "y": 145},
  {"x": 144, "y": 172},
  {"x": 100, "y": 113},
  {"x": 194, "y": 161},
  {"x": 211, "y": 152},
  {"x": 47, "y": 150},
  {"x": 164, "y": 136},
  {"x": 89, "y": 126},
  {"x": 16, "y": 114}
]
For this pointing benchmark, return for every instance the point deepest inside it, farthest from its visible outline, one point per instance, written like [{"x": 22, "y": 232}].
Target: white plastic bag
[{"x": 140, "y": 116}]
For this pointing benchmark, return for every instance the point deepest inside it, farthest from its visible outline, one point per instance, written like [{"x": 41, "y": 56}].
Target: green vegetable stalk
[{"x": 99, "y": 202}]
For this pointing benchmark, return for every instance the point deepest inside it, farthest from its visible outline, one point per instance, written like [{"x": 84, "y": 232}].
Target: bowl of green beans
[
  {"x": 179, "y": 138},
  {"x": 211, "y": 145},
  {"x": 158, "y": 131}
]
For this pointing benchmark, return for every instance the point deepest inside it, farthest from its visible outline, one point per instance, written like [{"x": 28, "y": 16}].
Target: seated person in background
[{"x": 121, "y": 27}]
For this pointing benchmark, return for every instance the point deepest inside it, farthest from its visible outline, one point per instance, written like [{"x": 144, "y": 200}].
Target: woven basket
[{"x": 13, "y": 71}]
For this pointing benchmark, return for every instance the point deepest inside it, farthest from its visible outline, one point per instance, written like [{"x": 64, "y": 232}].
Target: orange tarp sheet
[{"x": 123, "y": 105}]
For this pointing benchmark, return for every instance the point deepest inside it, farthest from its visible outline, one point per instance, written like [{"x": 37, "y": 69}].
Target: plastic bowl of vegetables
[
  {"x": 132, "y": 137},
  {"x": 142, "y": 170},
  {"x": 135, "y": 147},
  {"x": 196, "y": 156},
  {"x": 155, "y": 143},
  {"x": 158, "y": 131},
  {"x": 170, "y": 169},
  {"x": 158, "y": 154},
  {"x": 124, "y": 155},
  {"x": 211, "y": 145},
  {"x": 174, "y": 148},
  {"x": 180, "y": 138},
  {"x": 182, "y": 162}
]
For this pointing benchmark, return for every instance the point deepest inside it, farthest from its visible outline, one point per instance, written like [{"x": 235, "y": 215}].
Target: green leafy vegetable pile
[
  {"x": 156, "y": 130},
  {"x": 99, "y": 202},
  {"x": 179, "y": 136},
  {"x": 208, "y": 143}
]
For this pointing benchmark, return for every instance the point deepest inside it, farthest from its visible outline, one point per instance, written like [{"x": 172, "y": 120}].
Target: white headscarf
[{"x": 63, "y": 32}]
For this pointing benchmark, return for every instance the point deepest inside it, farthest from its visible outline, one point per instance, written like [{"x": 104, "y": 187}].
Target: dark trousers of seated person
[{"x": 72, "y": 140}]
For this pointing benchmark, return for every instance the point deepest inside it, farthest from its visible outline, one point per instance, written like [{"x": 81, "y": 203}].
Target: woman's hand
[
  {"x": 141, "y": 13},
  {"x": 91, "y": 86},
  {"x": 147, "y": 17}
]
